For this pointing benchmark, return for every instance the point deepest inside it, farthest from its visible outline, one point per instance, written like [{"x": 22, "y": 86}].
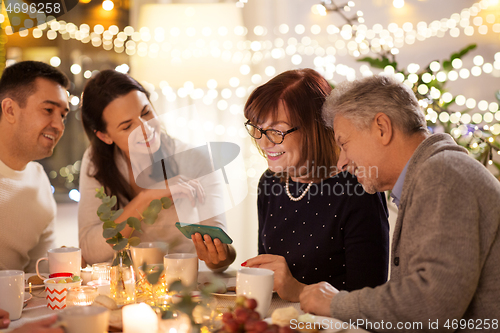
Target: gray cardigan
[{"x": 445, "y": 263}]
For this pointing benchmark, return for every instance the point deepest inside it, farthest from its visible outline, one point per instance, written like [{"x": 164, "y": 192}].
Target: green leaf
[
  {"x": 155, "y": 206},
  {"x": 134, "y": 241},
  {"x": 497, "y": 95},
  {"x": 466, "y": 50},
  {"x": 108, "y": 225},
  {"x": 379, "y": 63},
  {"x": 121, "y": 245},
  {"x": 121, "y": 226},
  {"x": 100, "y": 192},
  {"x": 103, "y": 209},
  {"x": 112, "y": 202},
  {"x": 154, "y": 277},
  {"x": 447, "y": 65},
  {"x": 134, "y": 222},
  {"x": 113, "y": 240},
  {"x": 176, "y": 286},
  {"x": 147, "y": 212},
  {"x": 105, "y": 216},
  {"x": 110, "y": 232},
  {"x": 116, "y": 214},
  {"x": 167, "y": 202},
  {"x": 149, "y": 220},
  {"x": 106, "y": 200}
]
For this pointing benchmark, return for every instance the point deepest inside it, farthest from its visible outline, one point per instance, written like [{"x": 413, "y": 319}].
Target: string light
[{"x": 108, "y": 5}]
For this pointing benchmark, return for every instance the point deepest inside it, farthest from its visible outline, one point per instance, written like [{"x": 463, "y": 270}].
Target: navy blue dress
[{"x": 337, "y": 233}]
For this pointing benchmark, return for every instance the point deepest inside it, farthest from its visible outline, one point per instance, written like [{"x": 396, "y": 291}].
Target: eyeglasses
[{"x": 273, "y": 135}]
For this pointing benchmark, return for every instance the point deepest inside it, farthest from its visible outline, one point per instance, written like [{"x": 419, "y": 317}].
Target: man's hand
[
  {"x": 4, "y": 319},
  {"x": 285, "y": 284},
  {"x": 316, "y": 298},
  {"x": 41, "y": 326}
]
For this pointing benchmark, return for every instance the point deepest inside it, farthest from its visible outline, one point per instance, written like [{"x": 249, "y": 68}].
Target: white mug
[
  {"x": 85, "y": 319},
  {"x": 12, "y": 292},
  {"x": 148, "y": 252},
  {"x": 181, "y": 266},
  {"x": 63, "y": 260},
  {"x": 256, "y": 283}
]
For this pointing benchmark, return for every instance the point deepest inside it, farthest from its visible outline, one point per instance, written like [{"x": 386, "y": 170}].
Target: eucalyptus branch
[{"x": 112, "y": 230}]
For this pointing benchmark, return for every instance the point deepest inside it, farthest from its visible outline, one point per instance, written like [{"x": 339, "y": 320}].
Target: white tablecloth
[{"x": 36, "y": 308}]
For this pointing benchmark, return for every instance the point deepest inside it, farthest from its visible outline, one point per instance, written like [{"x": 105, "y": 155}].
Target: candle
[
  {"x": 139, "y": 318},
  {"x": 81, "y": 296},
  {"x": 30, "y": 287},
  {"x": 103, "y": 287}
]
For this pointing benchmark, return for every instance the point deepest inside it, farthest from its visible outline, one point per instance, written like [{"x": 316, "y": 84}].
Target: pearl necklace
[{"x": 287, "y": 190}]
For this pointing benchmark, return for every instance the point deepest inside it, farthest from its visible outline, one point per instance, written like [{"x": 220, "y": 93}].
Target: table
[{"x": 36, "y": 308}]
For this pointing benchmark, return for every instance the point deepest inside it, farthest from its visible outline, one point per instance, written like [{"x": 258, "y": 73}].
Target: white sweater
[
  {"x": 27, "y": 216},
  {"x": 94, "y": 246}
]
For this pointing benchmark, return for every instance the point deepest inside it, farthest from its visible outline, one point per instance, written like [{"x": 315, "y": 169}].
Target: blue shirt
[{"x": 398, "y": 187}]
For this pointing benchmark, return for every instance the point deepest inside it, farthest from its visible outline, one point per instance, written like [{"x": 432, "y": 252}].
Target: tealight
[{"x": 81, "y": 296}]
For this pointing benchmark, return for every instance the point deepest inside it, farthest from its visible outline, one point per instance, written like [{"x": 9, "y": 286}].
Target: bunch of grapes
[{"x": 244, "y": 318}]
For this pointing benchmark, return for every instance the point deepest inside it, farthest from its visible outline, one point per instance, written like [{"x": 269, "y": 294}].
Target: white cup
[
  {"x": 256, "y": 283},
  {"x": 63, "y": 260},
  {"x": 150, "y": 252},
  {"x": 85, "y": 319},
  {"x": 181, "y": 266},
  {"x": 12, "y": 292}
]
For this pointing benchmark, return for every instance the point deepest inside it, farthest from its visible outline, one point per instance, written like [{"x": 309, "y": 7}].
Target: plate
[
  {"x": 33, "y": 286},
  {"x": 27, "y": 297},
  {"x": 327, "y": 324},
  {"x": 229, "y": 294}
]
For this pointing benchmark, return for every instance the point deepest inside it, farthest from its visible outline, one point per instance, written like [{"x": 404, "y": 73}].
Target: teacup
[
  {"x": 85, "y": 319},
  {"x": 257, "y": 283},
  {"x": 62, "y": 260},
  {"x": 12, "y": 292},
  {"x": 148, "y": 252},
  {"x": 181, "y": 266},
  {"x": 55, "y": 292}
]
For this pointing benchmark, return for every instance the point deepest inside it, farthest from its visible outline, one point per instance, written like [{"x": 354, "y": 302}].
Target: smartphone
[{"x": 214, "y": 232}]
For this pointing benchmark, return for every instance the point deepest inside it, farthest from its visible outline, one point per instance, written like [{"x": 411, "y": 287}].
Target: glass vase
[{"x": 122, "y": 278}]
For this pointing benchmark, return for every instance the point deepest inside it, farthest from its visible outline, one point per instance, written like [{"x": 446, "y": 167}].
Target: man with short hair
[
  {"x": 33, "y": 105},
  {"x": 445, "y": 264}
]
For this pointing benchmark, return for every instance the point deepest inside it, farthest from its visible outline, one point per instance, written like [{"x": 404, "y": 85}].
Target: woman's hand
[
  {"x": 285, "y": 284},
  {"x": 183, "y": 187},
  {"x": 4, "y": 319},
  {"x": 213, "y": 252}
]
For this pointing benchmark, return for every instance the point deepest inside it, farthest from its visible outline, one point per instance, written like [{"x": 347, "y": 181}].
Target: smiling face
[
  {"x": 131, "y": 124},
  {"x": 285, "y": 156},
  {"x": 360, "y": 154},
  {"x": 40, "y": 123}
]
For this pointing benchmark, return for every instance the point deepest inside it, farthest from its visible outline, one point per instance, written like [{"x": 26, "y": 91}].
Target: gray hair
[{"x": 360, "y": 100}]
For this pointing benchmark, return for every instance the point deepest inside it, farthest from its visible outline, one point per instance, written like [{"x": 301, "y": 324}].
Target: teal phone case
[{"x": 214, "y": 232}]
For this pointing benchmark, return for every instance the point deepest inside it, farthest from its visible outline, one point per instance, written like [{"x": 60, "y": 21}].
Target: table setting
[{"x": 172, "y": 293}]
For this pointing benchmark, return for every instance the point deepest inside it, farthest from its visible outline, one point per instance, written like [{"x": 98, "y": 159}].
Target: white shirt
[
  {"x": 93, "y": 245},
  {"x": 27, "y": 216}
]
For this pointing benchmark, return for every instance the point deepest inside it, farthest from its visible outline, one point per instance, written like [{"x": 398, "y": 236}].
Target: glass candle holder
[
  {"x": 101, "y": 271},
  {"x": 81, "y": 296}
]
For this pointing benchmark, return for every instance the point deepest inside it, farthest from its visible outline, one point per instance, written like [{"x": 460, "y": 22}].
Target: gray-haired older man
[{"x": 445, "y": 264}]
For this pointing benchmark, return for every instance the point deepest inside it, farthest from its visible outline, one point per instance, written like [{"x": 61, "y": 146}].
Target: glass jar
[
  {"x": 101, "y": 271},
  {"x": 122, "y": 278},
  {"x": 81, "y": 296}
]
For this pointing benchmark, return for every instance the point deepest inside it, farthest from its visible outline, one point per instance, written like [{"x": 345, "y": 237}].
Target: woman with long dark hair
[
  {"x": 135, "y": 160},
  {"x": 316, "y": 223}
]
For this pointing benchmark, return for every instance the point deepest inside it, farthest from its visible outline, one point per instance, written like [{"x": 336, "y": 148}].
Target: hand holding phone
[{"x": 214, "y": 232}]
